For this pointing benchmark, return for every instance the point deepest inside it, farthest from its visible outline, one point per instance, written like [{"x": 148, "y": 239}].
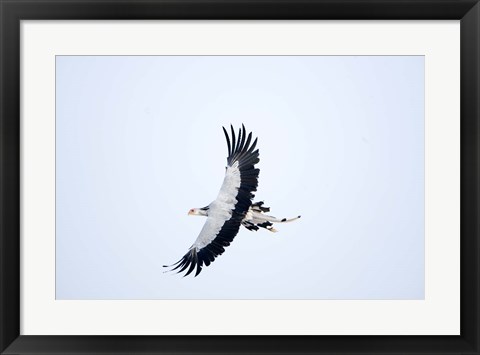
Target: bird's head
[{"x": 198, "y": 211}]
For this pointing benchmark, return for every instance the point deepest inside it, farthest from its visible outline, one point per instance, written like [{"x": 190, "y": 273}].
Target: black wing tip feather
[
  {"x": 192, "y": 260},
  {"x": 240, "y": 147},
  {"x": 204, "y": 257},
  {"x": 228, "y": 141},
  {"x": 188, "y": 262}
]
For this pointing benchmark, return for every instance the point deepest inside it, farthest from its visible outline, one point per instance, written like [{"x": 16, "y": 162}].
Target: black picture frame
[{"x": 13, "y": 11}]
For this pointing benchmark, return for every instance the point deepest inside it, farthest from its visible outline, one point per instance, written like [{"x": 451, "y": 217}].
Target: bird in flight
[{"x": 232, "y": 208}]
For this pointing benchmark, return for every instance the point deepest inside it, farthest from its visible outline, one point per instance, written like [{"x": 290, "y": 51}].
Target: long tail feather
[{"x": 256, "y": 218}]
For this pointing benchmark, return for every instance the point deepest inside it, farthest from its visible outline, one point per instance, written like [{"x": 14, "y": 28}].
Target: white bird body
[
  {"x": 255, "y": 217},
  {"x": 232, "y": 208}
]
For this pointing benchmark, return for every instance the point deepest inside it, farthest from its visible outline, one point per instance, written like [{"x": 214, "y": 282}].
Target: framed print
[{"x": 238, "y": 177}]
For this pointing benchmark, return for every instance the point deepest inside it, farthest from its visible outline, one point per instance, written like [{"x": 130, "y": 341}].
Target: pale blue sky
[{"x": 139, "y": 142}]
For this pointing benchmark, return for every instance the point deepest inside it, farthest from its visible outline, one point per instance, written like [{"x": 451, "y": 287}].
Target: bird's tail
[{"x": 256, "y": 218}]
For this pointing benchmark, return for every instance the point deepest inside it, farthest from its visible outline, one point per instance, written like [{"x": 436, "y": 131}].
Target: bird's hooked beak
[{"x": 198, "y": 211}]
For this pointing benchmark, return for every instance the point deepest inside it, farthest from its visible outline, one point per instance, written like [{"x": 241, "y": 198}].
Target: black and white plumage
[{"x": 232, "y": 208}]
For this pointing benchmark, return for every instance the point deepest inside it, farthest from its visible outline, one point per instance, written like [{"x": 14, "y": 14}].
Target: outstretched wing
[{"x": 226, "y": 213}]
